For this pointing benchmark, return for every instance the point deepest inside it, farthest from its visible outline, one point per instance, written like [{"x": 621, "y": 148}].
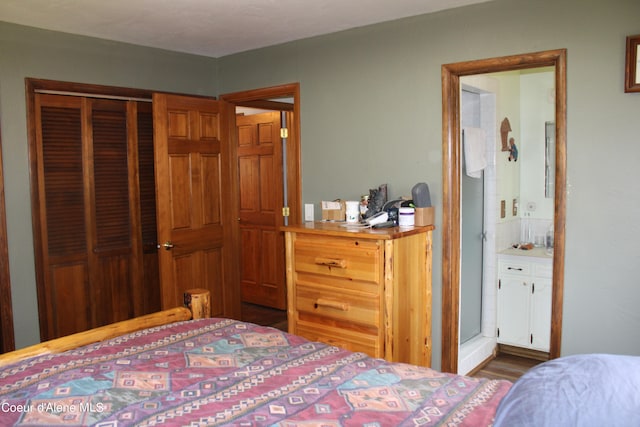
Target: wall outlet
[{"x": 308, "y": 212}]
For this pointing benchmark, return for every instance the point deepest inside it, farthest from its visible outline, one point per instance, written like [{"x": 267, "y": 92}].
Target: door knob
[{"x": 167, "y": 245}]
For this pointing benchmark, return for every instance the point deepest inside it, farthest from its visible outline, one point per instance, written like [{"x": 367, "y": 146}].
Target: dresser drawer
[
  {"x": 339, "y": 305},
  {"x": 518, "y": 268},
  {"x": 337, "y": 257},
  {"x": 349, "y": 340}
]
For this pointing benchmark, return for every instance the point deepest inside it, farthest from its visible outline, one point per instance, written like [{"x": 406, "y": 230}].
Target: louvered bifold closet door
[
  {"x": 65, "y": 275},
  {"x": 147, "y": 184},
  {"x": 112, "y": 262},
  {"x": 92, "y": 261}
]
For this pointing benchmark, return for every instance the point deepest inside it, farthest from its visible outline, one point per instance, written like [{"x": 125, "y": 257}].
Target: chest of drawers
[{"x": 363, "y": 290}]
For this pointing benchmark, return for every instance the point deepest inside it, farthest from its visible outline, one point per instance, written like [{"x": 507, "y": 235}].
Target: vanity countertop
[{"x": 537, "y": 252}]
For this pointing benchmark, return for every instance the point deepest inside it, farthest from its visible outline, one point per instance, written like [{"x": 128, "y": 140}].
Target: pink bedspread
[{"x": 225, "y": 372}]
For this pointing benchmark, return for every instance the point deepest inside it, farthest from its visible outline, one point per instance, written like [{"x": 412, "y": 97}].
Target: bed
[
  {"x": 585, "y": 390},
  {"x": 217, "y": 371},
  {"x": 164, "y": 369}
]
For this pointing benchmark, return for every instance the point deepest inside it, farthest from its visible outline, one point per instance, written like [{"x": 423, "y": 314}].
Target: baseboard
[
  {"x": 475, "y": 352},
  {"x": 481, "y": 366},
  {"x": 523, "y": 352}
]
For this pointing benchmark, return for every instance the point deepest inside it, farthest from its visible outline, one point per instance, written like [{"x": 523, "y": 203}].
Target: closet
[{"x": 94, "y": 211}]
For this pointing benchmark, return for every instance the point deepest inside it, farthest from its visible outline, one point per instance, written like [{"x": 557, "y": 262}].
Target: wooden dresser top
[{"x": 341, "y": 229}]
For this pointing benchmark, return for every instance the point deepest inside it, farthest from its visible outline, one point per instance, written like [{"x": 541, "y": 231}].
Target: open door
[
  {"x": 260, "y": 174},
  {"x": 196, "y": 245}
]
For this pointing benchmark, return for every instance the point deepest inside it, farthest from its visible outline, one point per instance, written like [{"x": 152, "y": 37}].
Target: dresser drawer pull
[
  {"x": 514, "y": 268},
  {"x": 332, "y": 262},
  {"x": 337, "y": 305}
]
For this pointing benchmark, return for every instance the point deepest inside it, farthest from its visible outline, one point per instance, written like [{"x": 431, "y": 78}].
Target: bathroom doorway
[
  {"x": 452, "y": 169},
  {"x": 525, "y": 213}
]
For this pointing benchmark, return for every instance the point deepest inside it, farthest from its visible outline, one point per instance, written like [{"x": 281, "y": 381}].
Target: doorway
[
  {"x": 517, "y": 182},
  {"x": 262, "y": 247},
  {"x": 452, "y": 161}
]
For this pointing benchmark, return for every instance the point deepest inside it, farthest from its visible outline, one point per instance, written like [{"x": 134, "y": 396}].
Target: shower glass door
[{"x": 472, "y": 215}]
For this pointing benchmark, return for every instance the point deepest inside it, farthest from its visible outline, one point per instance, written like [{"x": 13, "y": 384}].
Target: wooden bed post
[{"x": 198, "y": 301}]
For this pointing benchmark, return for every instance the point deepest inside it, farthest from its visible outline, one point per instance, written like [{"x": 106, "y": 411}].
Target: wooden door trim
[
  {"x": 451, "y": 169},
  {"x": 6, "y": 314},
  {"x": 87, "y": 89},
  {"x": 293, "y": 147}
]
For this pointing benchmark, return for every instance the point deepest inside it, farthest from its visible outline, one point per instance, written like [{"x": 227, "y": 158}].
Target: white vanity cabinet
[{"x": 524, "y": 301}]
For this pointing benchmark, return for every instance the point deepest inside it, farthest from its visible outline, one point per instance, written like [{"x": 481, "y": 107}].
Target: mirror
[
  {"x": 632, "y": 69},
  {"x": 549, "y": 159}
]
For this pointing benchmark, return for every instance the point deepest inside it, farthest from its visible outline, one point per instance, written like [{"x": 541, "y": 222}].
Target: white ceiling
[{"x": 211, "y": 27}]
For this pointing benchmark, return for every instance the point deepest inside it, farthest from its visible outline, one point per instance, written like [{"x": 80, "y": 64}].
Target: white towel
[{"x": 475, "y": 157}]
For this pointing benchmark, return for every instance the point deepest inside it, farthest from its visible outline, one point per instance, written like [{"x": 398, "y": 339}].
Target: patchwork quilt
[{"x": 214, "y": 372}]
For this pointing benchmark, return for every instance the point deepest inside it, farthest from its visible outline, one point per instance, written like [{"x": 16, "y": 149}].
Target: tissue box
[
  {"x": 333, "y": 211},
  {"x": 425, "y": 216}
]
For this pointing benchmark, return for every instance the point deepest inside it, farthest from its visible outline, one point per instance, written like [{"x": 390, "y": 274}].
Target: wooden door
[
  {"x": 87, "y": 223},
  {"x": 195, "y": 244},
  {"x": 260, "y": 202}
]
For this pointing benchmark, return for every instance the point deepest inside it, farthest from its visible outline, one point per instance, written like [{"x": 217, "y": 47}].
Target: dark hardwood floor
[
  {"x": 264, "y": 316},
  {"x": 506, "y": 367}
]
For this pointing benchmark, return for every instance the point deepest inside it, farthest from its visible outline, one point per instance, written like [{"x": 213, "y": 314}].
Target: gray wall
[
  {"x": 27, "y": 52},
  {"x": 371, "y": 114}
]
